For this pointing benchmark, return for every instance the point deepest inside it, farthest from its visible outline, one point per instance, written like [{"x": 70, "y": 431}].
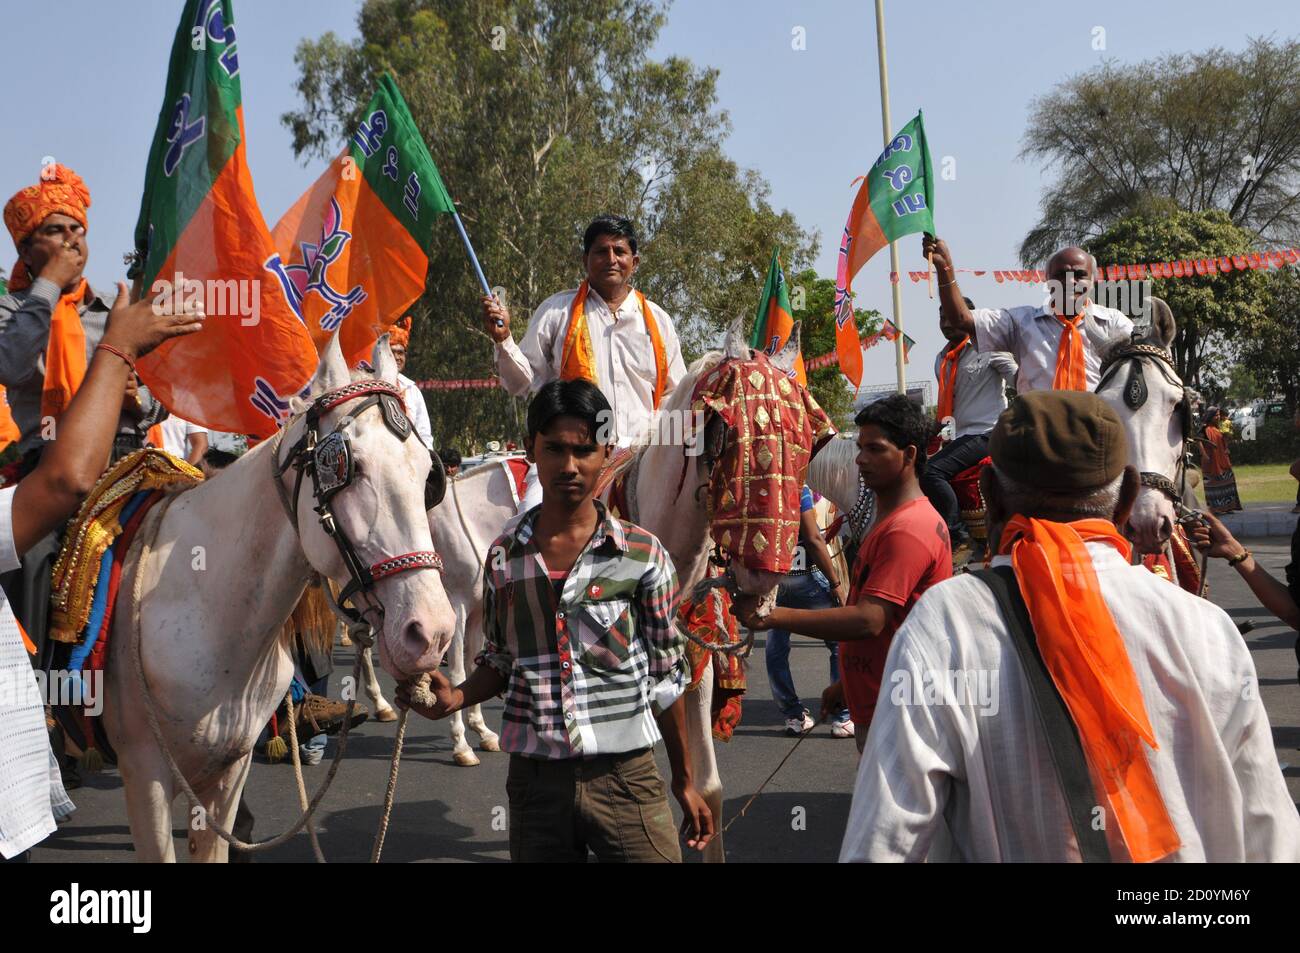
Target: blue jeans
[
  {"x": 809, "y": 591},
  {"x": 958, "y": 455}
]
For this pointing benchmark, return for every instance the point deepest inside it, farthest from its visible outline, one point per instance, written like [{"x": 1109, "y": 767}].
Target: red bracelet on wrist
[{"x": 112, "y": 350}]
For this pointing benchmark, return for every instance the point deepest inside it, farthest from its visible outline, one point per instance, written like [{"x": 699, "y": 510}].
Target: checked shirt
[{"x": 585, "y": 674}]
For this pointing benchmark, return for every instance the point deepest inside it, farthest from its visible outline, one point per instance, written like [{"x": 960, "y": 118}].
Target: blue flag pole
[{"x": 478, "y": 269}]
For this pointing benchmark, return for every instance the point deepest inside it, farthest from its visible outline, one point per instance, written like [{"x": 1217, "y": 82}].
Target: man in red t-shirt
[{"x": 906, "y": 552}]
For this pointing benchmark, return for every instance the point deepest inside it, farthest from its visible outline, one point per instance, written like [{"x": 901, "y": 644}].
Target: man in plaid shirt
[{"x": 579, "y": 622}]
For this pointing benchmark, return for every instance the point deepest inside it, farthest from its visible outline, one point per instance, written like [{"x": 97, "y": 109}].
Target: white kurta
[
  {"x": 973, "y": 780},
  {"x": 29, "y": 777},
  {"x": 625, "y": 357},
  {"x": 416, "y": 409}
]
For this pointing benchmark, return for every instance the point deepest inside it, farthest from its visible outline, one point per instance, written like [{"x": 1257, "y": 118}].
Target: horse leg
[
  {"x": 461, "y": 752},
  {"x": 383, "y": 710},
  {"x": 488, "y": 739},
  {"x": 220, "y": 801},
  {"x": 704, "y": 762},
  {"x": 147, "y": 785}
]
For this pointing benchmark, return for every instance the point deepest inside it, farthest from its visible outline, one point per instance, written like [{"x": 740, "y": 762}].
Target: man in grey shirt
[
  {"x": 48, "y": 224},
  {"x": 971, "y": 396}
]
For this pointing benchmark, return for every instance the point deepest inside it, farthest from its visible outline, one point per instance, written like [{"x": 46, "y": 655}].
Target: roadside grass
[{"x": 1265, "y": 483}]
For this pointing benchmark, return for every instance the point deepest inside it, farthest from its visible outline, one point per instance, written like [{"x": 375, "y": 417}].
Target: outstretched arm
[{"x": 952, "y": 309}]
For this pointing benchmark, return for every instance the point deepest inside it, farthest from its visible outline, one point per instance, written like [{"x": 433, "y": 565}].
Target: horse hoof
[
  {"x": 385, "y": 714},
  {"x": 490, "y": 743},
  {"x": 465, "y": 759}
]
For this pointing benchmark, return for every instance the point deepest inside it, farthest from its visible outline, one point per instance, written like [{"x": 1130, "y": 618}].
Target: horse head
[
  {"x": 359, "y": 501},
  {"x": 760, "y": 431},
  {"x": 1139, "y": 381}
]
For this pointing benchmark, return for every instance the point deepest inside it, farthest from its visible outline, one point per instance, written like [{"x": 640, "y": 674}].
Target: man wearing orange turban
[
  {"x": 51, "y": 321},
  {"x": 399, "y": 336}
]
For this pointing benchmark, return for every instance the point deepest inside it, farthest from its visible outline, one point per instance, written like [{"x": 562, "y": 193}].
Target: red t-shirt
[{"x": 904, "y": 554}]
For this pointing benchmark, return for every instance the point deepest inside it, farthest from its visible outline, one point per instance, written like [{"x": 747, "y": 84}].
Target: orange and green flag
[
  {"x": 352, "y": 252},
  {"x": 896, "y": 199},
  {"x": 200, "y": 232},
  {"x": 773, "y": 322}
]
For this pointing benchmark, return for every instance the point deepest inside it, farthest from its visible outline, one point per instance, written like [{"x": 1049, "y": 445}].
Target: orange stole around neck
[{"x": 579, "y": 357}]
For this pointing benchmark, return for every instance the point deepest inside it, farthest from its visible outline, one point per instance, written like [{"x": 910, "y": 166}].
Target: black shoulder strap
[{"x": 1062, "y": 737}]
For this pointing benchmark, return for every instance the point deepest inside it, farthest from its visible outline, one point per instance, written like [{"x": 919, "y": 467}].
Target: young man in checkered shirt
[{"x": 578, "y": 616}]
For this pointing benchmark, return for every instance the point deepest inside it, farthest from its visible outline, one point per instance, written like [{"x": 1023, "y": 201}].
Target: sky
[{"x": 808, "y": 119}]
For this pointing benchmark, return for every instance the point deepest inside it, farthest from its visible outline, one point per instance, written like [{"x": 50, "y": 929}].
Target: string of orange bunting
[{"x": 1184, "y": 268}]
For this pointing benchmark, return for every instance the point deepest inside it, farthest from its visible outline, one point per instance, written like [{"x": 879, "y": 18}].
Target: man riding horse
[{"x": 604, "y": 331}]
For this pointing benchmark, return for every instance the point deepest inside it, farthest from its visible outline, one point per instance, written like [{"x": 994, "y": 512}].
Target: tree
[
  {"x": 1213, "y": 130},
  {"x": 1273, "y": 351},
  {"x": 1231, "y": 306},
  {"x": 1244, "y": 383},
  {"x": 540, "y": 115}
]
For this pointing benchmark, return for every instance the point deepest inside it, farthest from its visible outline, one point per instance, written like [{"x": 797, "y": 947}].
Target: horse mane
[{"x": 312, "y": 619}]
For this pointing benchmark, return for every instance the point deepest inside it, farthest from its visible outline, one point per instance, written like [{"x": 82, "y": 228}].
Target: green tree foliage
[
  {"x": 817, "y": 337},
  {"x": 1232, "y": 307},
  {"x": 542, "y": 114},
  {"x": 1213, "y": 130},
  {"x": 1273, "y": 351}
]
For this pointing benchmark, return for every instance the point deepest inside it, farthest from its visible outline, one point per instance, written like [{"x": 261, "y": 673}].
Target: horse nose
[
  {"x": 1166, "y": 529},
  {"x": 416, "y": 639}
]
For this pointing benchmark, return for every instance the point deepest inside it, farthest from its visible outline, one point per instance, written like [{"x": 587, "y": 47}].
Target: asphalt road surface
[{"x": 448, "y": 813}]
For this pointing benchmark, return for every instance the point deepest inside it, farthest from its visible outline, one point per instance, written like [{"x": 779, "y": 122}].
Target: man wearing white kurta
[
  {"x": 1058, "y": 345},
  {"x": 957, "y": 766},
  {"x": 635, "y": 363},
  {"x": 399, "y": 338}
]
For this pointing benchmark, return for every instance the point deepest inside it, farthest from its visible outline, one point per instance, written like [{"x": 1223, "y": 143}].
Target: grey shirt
[
  {"x": 24, "y": 337},
  {"x": 978, "y": 396}
]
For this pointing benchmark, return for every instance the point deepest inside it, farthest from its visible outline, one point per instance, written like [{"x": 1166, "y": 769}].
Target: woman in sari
[{"x": 1216, "y": 466}]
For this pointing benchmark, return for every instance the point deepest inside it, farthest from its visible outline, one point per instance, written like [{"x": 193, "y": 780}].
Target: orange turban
[
  {"x": 400, "y": 333},
  {"x": 60, "y": 191}
]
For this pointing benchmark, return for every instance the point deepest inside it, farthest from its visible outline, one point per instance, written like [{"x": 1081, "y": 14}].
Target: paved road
[{"x": 446, "y": 813}]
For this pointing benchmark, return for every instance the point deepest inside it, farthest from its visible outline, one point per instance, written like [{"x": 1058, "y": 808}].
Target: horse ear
[
  {"x": 736, "y": 346},
  {"x": 1163, "y": 325},
  {"x": 384, "y": 363},
  {"x": 786, "y": 357},
  {"x": 332, "y": 371}
]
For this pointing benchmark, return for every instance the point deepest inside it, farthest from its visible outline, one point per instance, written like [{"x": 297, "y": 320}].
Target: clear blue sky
[{"x": 809, "y": 119}]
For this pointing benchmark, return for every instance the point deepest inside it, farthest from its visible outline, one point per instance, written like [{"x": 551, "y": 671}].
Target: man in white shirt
[
  {"x": 957, "y": 765},
  {"x": 399, "y": 337},
  {"x": 971, "y": 394},
  {"x": 604, "y": 331},
  {"x": 69, "y": 466},
  {"x": 1058, "y": 345},
  {"x": 184, "y": 439}
]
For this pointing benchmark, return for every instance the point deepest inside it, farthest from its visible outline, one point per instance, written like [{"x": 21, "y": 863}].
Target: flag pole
[
  {"x": 893, "y": 246},
  {"x": 473, "y": 258}
]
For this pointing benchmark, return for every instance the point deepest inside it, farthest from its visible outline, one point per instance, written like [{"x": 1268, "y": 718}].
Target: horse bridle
[
  {"x": 1135, "y": 394},
  {"x": 330, "y": 463}
]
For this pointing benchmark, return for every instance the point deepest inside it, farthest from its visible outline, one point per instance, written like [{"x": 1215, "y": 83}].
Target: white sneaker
[
  {"x": 842, "y": 729},
  {"x": 797, "y": 726}
]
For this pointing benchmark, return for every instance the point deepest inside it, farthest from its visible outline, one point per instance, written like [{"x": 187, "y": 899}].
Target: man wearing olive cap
[{"x": 1157, "y": 683}]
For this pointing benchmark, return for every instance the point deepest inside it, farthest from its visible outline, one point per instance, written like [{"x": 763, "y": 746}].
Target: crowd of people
[{"x": 1060, "y": 704}]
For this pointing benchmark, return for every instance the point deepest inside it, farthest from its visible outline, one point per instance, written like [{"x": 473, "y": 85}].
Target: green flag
[{"x": 773, "y": 321}]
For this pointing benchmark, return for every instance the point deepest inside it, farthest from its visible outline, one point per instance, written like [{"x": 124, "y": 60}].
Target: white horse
[
  {"x": 225, "y": 569},
  {"x": 479, "y": 502},
  {"x": 1140, "y": 383}
]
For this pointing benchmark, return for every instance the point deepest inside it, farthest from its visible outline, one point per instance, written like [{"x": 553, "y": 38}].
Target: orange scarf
[
  {"x": 65, "y": 355},
  {"x": 1070, "y": 367},
  {"x": 1214, "y": 454},
  {"x": 1085, "y": 655},
  {"x": 948, "y": 379},
  {"x": 579, "y": 358}
]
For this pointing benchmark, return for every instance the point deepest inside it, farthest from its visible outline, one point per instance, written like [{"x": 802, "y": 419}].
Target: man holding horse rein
[
  {"x": 604, "y": 331},
  {"x": 1058, "y": 345},
  {"x": 579, "y": 632}
]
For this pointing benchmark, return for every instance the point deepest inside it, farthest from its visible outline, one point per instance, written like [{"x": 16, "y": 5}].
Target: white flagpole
[{"x": 893, "y": 246}]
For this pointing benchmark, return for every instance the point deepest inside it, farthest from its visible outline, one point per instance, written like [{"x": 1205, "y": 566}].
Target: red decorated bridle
[{"x": 330, "y": 463}]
